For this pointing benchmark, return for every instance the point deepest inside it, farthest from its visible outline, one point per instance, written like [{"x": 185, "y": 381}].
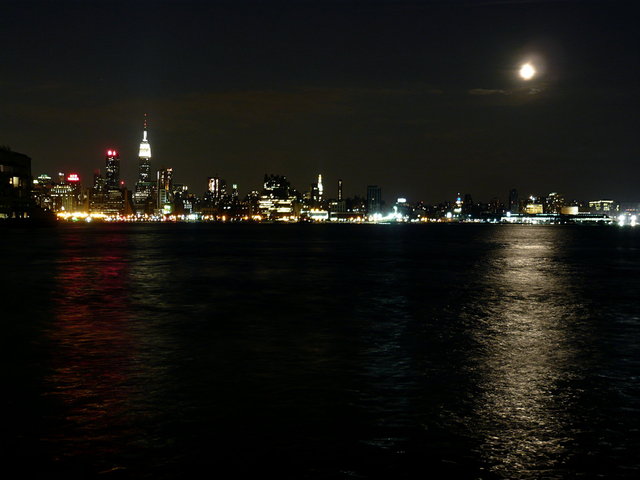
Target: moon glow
[{"x": 527, "y": 71}]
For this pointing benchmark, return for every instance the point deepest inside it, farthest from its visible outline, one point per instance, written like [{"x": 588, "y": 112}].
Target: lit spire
[{"x": 145, "y": 148}]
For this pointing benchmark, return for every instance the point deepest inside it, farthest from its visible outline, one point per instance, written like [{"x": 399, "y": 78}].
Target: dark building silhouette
[
  {"x": 513, "y": 204},
  {"x": 374, "y": 199},
  {"x": 112, "y": 171},
  {"x": 15, "y": 184}
]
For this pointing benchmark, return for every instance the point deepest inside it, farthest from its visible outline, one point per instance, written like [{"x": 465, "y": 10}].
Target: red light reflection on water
[{"x": 94, "y": 348}]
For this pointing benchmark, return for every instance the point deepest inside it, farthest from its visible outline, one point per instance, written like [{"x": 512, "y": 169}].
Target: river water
[{"x": 321, "y": 351}]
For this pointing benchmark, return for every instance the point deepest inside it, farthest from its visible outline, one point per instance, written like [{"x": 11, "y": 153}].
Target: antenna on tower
[{"x": 144, "y": 132}]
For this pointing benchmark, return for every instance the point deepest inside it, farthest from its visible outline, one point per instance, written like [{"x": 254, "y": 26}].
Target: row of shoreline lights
[{"x": 622, "y": 220}]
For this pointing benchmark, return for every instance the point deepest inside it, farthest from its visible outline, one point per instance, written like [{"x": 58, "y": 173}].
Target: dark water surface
[{"x": 321, "y": 351}]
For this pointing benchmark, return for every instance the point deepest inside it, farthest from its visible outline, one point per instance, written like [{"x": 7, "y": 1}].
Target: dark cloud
[{"x": 488, "y": 91}]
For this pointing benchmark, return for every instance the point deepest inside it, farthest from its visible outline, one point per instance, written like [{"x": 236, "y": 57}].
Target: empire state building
[{"x": 144, "y": 186}]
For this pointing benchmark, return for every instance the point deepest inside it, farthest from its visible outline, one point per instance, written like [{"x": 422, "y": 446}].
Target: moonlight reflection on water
[{"x": 324, "y": 351}]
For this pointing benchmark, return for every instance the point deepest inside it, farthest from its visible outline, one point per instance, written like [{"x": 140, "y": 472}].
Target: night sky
[{"x": 421, "y": 98}]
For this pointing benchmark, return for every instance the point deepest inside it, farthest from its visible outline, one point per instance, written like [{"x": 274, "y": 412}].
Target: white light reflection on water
[{"x": 525, "y": 356}]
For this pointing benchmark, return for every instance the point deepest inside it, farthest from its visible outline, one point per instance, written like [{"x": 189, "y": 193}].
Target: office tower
[
  {"x": 340, "y": 190},
  {"x": 374, "y": 199},
  {"x": 276, "y": 186},
  {"x": 164, "y": 187},
  {"x": 64, "y": 197},
  {"x": 317, "y": 191},
  {"x": 110, "y": 198},
  {"x": 113, "y": 169},
  {"x": 277, "y": 200},
  {"x": 41, "y": 191},
  {"x": 214, "y": 189}
]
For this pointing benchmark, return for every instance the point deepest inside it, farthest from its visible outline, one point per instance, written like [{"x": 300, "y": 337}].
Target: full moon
[{"x": 527, "y": 71}]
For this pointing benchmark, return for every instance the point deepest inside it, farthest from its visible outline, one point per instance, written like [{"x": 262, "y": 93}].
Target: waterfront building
[
  {"x": 15, "y": 184},
  {"x": 402, "y": 210},
  {"x": 553, "y": 203},
  {"x": 278, "y": 201},
  {"x": 65, "y": 196},
  {"x": 570, "y": 210},
  {"x": 533, "y": 208},
  {"x": 62, "y": 198},
  {"x": 607, "y": 207},
  {"x": 41, "y": 191}
]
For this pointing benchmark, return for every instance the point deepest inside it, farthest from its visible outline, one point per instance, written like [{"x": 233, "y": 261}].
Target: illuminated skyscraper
[
  {"x": 144, "y": 156},
  {"x": 317, "y": 190},
  {"x": 165, "y": 189},
  {"x": 340, "y": 190},
  {"x": 113, "y": 169},
  {"x": 144, "y": 185},
  {"x": 216, "y": 188}
]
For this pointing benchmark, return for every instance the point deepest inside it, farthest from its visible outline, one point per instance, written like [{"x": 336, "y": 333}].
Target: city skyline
[
  {"x": 422, "y": 98},
  {"x": 145, "y": 179}
]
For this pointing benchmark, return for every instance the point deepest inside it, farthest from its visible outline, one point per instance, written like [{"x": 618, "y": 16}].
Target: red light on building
[
  {"x": 73, "y": 177},
  {"x": 111, "y": 153}
]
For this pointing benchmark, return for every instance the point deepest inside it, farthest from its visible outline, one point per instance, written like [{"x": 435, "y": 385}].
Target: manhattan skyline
[{"x": 422, "y": 98}]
